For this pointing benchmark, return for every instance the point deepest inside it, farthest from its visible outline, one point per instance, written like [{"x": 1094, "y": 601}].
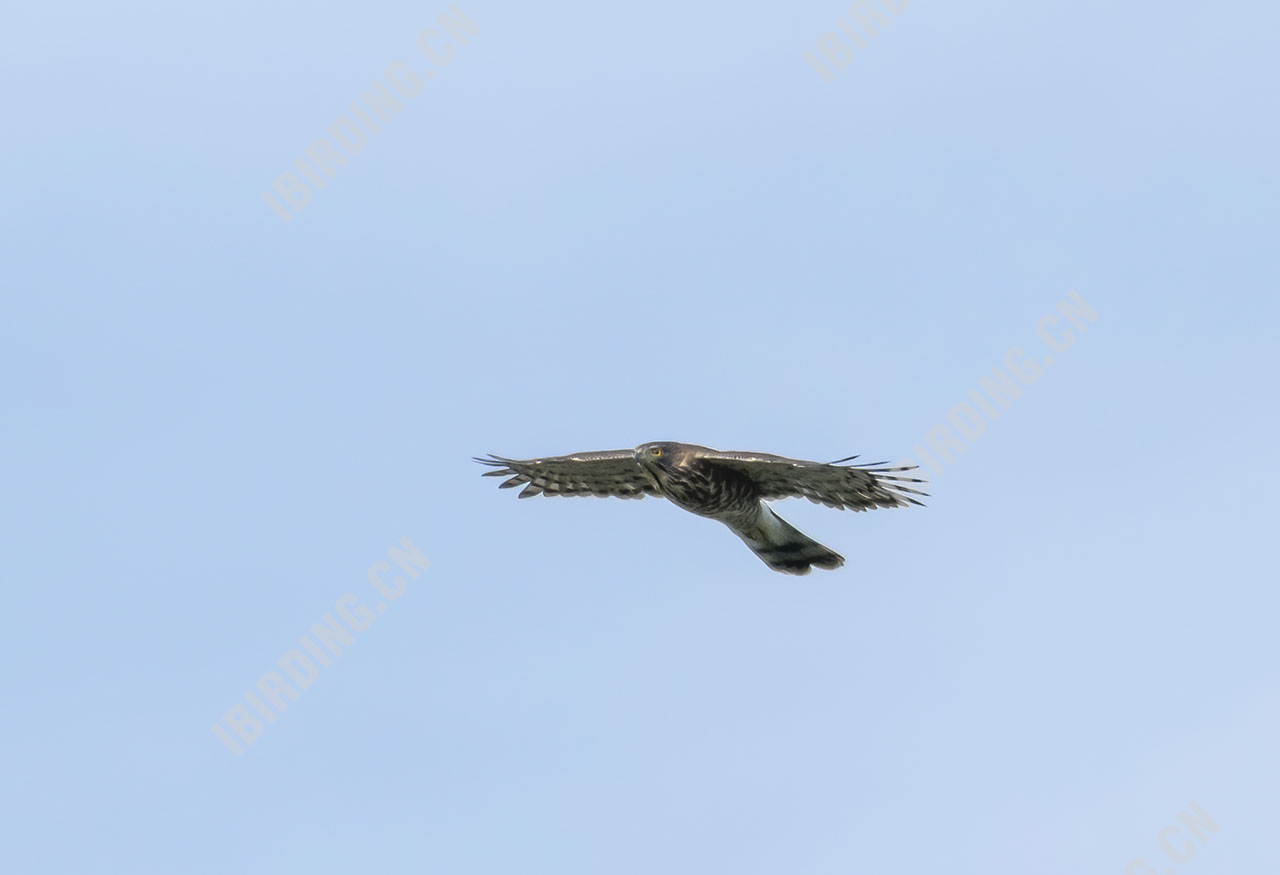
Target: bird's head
[{"x": 657, "y": 454}]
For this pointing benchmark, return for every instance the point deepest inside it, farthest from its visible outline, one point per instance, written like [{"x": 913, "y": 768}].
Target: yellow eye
[{"x": 656, "y": 451}]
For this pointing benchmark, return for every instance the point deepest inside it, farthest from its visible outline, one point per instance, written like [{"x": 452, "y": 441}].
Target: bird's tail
[{"x": 785, "y": 548}]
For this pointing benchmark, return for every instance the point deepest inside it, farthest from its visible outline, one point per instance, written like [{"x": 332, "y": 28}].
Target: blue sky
[{"x": 597, "y": 226}]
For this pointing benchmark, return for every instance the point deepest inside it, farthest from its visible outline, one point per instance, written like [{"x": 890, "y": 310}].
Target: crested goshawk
[{"x": 725, "y": 486}]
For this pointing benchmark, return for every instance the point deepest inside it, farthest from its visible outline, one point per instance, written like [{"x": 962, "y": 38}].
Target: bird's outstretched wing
[
  {"x": 855, "y": 487},
  {"x": 611, "y": 472}
]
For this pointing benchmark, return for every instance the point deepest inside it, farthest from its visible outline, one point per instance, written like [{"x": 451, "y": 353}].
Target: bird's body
[
  {"x": 699, "y": 487},
  {"x": 726, "y": 486}
]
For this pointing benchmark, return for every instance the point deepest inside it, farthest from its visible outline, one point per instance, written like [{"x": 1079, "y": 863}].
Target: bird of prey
[{"x": 726, "y": 486}]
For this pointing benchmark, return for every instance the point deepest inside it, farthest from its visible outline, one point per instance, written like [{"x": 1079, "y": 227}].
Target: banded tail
[{"x": 785, "y": 548}]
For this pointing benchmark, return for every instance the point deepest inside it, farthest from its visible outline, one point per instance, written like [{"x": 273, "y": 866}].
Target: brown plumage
[{"x": 726, "y": 486}]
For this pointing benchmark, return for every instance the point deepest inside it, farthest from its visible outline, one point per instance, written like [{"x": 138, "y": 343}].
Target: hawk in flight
[{"x": 729, "y": 487}]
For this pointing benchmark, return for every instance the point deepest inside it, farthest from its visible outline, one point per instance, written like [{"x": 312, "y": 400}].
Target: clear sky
[{"x": 588, "y": 226}]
